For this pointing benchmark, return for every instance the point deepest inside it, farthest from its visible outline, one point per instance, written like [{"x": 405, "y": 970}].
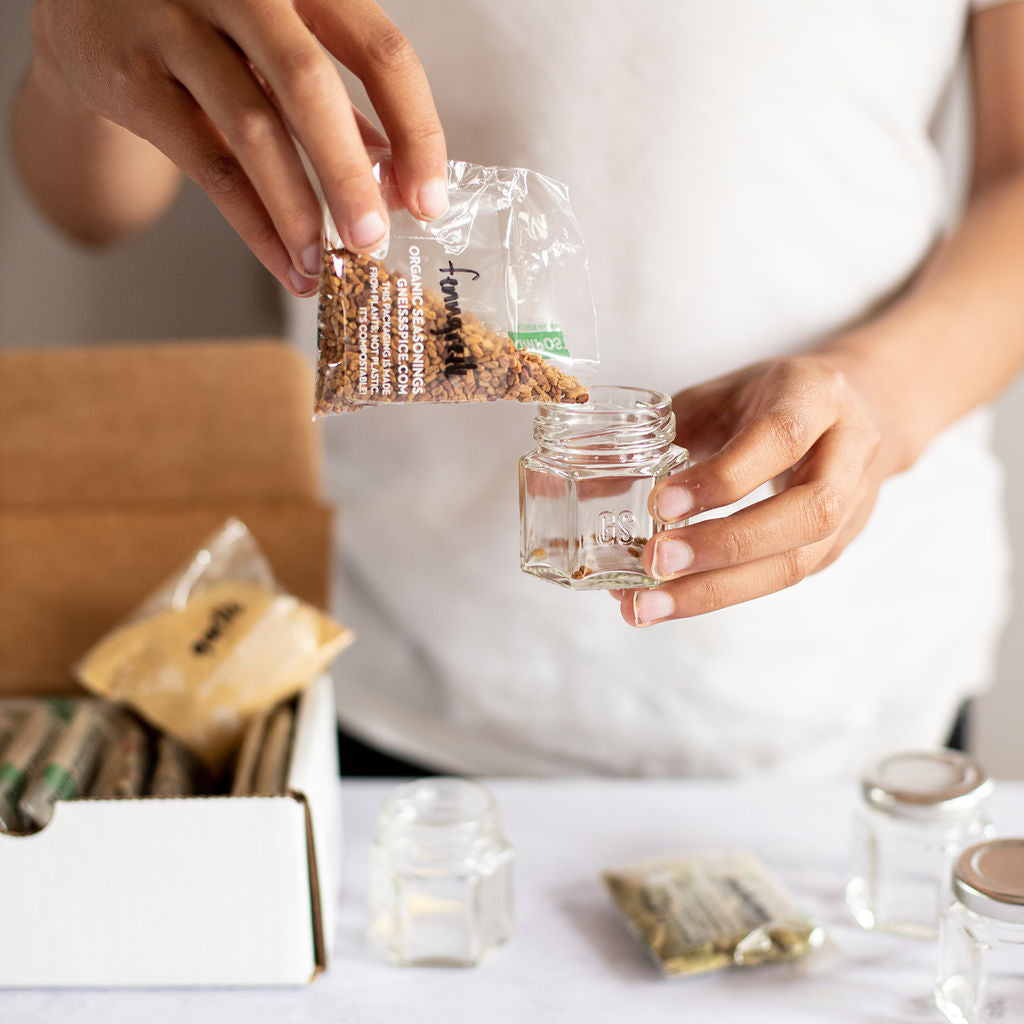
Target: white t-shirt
[{"x": 749, "y": 176}]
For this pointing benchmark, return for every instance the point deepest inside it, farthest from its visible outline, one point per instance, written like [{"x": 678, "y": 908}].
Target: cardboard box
[
  {"x": 210, "y": 890},
  {"x": 115, "y": 463}
]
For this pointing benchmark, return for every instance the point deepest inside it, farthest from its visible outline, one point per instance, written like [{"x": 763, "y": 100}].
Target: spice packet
[
  {"x": 217, "y": 643},
  {"x": 272, "y": 768},
  {"x": 69, "y": 767},
  {"x": 24, "y": 755},
  {"x": 10, "y": 722},
  {"x": 249, "y": 755},
  {"x": 125, "y": 765},
  {"x": 491, "y": 301},
  {"x": 703, "y": 912},
  {"x": 176, "y": 772}
]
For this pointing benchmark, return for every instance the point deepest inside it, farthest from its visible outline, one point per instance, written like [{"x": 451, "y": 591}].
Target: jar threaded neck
[{"x": 617, "y": 421}]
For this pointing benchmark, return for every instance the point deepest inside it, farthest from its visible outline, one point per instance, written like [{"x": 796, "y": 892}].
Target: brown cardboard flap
[
  {"x": 67, "y": 576},
  {"x": 156, "y": 422},
  {"x": 117, "y": 461}
]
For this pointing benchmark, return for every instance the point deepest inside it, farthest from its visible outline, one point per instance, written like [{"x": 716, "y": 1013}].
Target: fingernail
[
  {"x": 311, "y": 260},
  {"x": 302, "y": 284},
  {"x": 368, "y": 231},
  {"x": 670, "y": 557},
  {"x": 432, "y": 198},
  {"x": 673, "y": 503},
  {"x": 651, "y": 606}
]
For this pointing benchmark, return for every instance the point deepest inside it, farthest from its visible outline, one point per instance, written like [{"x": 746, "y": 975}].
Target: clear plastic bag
[
  {"x": 701, "y": 912},
  {"x": 490, "y": 301}
]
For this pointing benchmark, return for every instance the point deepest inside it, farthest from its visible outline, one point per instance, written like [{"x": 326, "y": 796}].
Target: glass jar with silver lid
[
  {"x": 981, "y": 936},
  {"x": 918, "y": 811}
]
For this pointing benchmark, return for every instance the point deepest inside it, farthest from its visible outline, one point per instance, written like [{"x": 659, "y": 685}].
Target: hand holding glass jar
[
  {"x": 811, "y": 425},
  {"x": 583, "y": 491}
]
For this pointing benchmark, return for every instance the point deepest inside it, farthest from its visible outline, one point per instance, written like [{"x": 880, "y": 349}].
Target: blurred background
[{"x": 192, "y": 278}]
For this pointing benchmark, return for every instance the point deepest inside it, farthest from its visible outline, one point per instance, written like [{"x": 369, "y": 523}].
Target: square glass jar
[
  {"x": 583, "y": 491},
  {"x": 441, "y": 875}
]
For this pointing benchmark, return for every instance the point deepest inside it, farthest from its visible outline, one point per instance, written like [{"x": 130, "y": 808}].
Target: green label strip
[
  {"x": 546, "y": 341},
  {"x": 59, "y": 779}
]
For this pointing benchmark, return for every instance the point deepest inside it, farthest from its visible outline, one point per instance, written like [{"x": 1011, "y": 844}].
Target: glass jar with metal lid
[
  {"x": 981, "y": 936},
  {"x": 918, "y": 811},
  {"x": 583, "y": 491}
]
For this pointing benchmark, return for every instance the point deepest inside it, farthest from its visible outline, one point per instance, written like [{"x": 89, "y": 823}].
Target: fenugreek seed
[{"x": 342, "y": 380}]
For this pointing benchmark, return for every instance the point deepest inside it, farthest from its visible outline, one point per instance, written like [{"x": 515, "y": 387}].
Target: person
[{"x": 779, "y": 237}]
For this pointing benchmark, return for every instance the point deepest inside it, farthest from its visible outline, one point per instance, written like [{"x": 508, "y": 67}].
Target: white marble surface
[{"x": 572, "y": 960}]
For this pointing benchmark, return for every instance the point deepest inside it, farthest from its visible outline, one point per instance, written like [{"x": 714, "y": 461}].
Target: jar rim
[
  {"x": 609, "y": 400},
  {"x": 617, "y": 421},
  {"x": 988, "y": 878},
  {"x": 926, "y": 782},
  {"x": 439, "y": 806}
]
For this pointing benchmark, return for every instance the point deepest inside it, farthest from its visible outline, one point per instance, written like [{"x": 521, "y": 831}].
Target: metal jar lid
[
  {"x": 988, "y": 878},
  {"x": 929, "y": 783}
]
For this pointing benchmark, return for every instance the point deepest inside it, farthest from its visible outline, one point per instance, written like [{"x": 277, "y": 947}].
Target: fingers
[
  {"x": 795, "y": 409},
  {"x": 767, "y": 546},
  {"x": 313, "y": 101},
  {"x": 709, "y": 591},
  {"x": 220, "y": 80},
  {"x": 795, "y": 518},
  {"x": 186, "y": 135},
  {"x": 370, "y": 45},
  {"x": 816, "y": 502}
]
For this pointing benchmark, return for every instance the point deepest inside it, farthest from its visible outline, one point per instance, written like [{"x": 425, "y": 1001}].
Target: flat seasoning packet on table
[
  {"x": 218, "y": 643},
  {"x": 699, "y": 913},
  {"x": 491, "y": 301}
]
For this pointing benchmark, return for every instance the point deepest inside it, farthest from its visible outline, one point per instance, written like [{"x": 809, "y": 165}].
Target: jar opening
[
  {"x": 438, "y": 806},
  {"x": 622, "y": 420}
]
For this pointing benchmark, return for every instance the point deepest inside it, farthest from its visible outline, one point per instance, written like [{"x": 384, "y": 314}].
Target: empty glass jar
[
  {"x": 440, "y": 886},
  {"x": 583, "y": 490},
  {"x": 919, "y": 811},
  {"x": 981, "y": 936}
]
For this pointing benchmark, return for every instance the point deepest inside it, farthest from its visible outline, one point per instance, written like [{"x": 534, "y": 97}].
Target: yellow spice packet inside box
[{"x": 216, "y": 644}]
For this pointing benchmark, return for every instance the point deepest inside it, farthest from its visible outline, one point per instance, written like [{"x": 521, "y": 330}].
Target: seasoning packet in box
[
  {"x": 490, "y": 301},
  {"x": 702, "y": 912},
  {"x": 217, "y": 644}
]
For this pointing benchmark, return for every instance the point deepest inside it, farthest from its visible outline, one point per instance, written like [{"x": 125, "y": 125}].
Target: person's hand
[
  {"x": 222, "y": 86},
  {"x": 802, "y": 422}
]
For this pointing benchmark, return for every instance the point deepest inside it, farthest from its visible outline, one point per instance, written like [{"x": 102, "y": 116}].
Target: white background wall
[{"x": 191, "y": 277}]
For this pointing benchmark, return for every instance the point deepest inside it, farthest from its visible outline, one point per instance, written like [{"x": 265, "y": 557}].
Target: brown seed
[{"x": 353, "y": 287}]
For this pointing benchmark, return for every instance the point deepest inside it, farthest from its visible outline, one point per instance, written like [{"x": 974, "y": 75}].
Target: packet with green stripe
[
  {"x": 69, "y": 768},
  {"x": 24, "y": 754}
]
